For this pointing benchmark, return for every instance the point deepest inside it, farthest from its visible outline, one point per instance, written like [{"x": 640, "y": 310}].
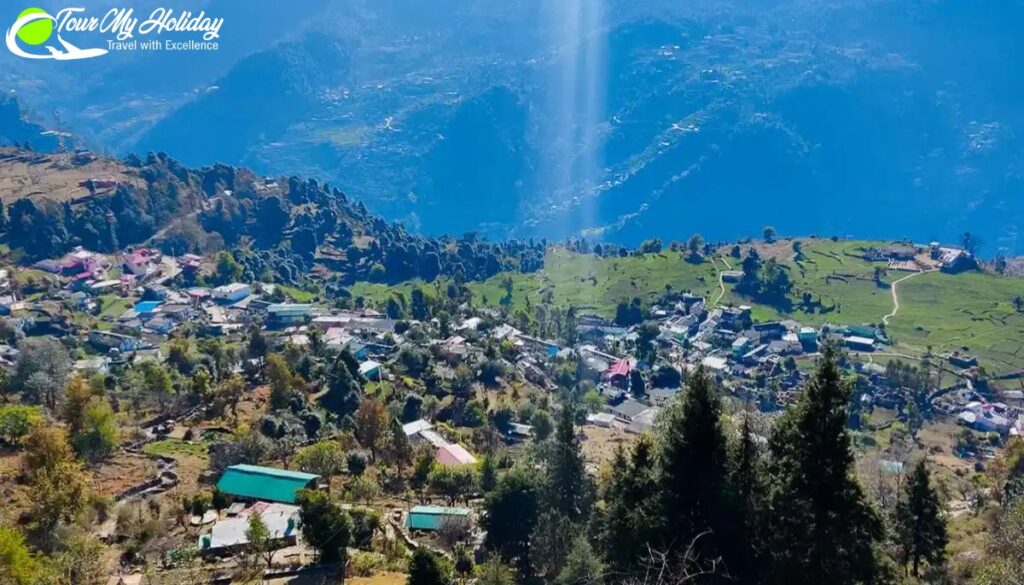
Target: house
[
  {"x": 288, "y": 313},
  {"x": 142, "y": 262},
  {"x": 601, "y": 419},
  {"x": 857, "y": 343},
  {"x": 190, "y": 262},
  {"x": 519, "y": 431},
  {"x": 808, "y": 336},
  {"x": 353, "y": 320},
  {"x": 103, "y": 286},
  {"x": 986, "y": 418},
  {"x": 618, "y": 372},
  {"x": 112, "y": 340},
  {"x": 455, "y": 455},
  {"x": 715, "y": 363},
  {"x": 740, "y": 346},
  {"x": 146, "y": 307},
  {"x": 177, "y": 312},
  {"x": 732, "y": 276},
  {"x": 735, "y": 318},
  {"x": 901, "y": 252},
  {"x": 416, "y": 427},
  {"x": 229, "y": 535},
  {"x": 91, "y": 366},
  {"x": 370, "y": 370},
  {"x": 454, "y": 349},
  {"x": 231, "y": 293},
  {"x": 160, "y": 325},
  {"x": 627, "y": 409},
  {"x": 470, "y": 324},
  {"x": 434, "y": 517},
  {"x": 253, "y": 482},
  {"x": 431, "y": 437}
]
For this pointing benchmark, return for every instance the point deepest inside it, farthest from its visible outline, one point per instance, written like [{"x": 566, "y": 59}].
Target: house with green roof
[
  {"x": 253, "y": 482},
  {"x": 433, "y": 517}
]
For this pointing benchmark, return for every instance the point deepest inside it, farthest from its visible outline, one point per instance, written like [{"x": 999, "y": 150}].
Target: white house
[{"x": 231, "y": 293}]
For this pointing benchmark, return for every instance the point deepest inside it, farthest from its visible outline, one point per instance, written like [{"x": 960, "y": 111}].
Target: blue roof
[
  {"x": 264, "y": 483},
  {"x": 430, "y": 517},
  {"x": 147, "y": 306}
]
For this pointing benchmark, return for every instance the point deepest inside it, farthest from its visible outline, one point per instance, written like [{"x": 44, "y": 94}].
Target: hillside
[
  {"x": 970, "y": 312},
  {"x": 286, "y": 229}
]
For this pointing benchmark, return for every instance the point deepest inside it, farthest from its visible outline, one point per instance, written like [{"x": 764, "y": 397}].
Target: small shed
[
  {"x": 265, "y": 483},
  {"x": 433, "y": 517}
]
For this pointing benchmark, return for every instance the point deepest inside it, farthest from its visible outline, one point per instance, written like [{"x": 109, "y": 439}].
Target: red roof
[{"x": 619, "y": 368}]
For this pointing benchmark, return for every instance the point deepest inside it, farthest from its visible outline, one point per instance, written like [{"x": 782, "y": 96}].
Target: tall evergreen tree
[
  {"x": 625, "y": 526},
  {"x": 747, "y": 493},
  {"x": 342, "y": 396},
  {"x": 568, "y": 489},
  {"x": 512, "y": 510},
  {"x": 693, "y": 473},
  {"x": 920, "y": 529},
  {"x": 822, "y": 528}
]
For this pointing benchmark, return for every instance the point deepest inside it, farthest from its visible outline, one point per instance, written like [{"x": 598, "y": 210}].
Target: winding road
[{"x": 896, "y": 298}]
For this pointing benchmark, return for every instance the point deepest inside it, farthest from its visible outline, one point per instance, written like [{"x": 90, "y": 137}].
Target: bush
[
  {"x": 17, "y": 421},
  {"x": 365, "y": 564}
]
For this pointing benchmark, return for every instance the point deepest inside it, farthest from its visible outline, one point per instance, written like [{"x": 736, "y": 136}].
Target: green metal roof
[
  {"x": 264, "y": 483},
  {"x": 430, "y": 517}
]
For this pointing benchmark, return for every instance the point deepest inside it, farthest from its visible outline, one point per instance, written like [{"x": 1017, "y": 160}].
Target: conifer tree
[
  {"x": 568, "y": 489},
  {"x": 822, "y": 528},
  {"x": 625, "y": 526},
  {"x": 693, "y": 482},
  {"x": 747, "y": 493},
  {"x": 920, "y": 528}
]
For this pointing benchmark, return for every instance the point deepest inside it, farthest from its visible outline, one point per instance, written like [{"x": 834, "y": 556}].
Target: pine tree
[
  {"x": 582, "y": 566},
  {"x": 747, "y": 485},
  {"x": 822, "y": 528},
  {"x": 568, "y": 489},
  {"x": 920, "y": 528},
  {"x": 512, "y": 510},
  {"x": 626, "y": 525},
  {"x": 399, "y": 449},
  {"x": 693, "y": 473},
  {"x": 342, "y": 396}
]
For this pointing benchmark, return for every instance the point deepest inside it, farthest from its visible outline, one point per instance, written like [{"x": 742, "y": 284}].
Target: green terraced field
[{"x": 947, "y": 312}]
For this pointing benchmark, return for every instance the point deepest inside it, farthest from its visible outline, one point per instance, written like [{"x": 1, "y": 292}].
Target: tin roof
[
  {"x": 431, "y": 517},
  {"x": 264, "y": 483}
]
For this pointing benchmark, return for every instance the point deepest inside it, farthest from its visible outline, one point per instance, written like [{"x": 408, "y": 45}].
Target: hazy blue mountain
[{"x": 848, "y": 117}]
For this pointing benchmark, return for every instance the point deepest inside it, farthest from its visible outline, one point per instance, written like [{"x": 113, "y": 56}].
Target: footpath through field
[{"x": 895, "y": 296}]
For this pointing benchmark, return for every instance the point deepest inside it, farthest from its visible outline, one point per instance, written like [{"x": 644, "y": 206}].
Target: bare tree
[
  {"x": 668, "y": 568},
  {"x": 454, "y": 530}
]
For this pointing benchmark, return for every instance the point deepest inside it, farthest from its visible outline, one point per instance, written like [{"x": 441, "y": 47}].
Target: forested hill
[{"x": 280, "y": 228}]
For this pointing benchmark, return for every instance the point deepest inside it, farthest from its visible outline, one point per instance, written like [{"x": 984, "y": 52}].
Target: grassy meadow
[{"x": 972, "y": 312}]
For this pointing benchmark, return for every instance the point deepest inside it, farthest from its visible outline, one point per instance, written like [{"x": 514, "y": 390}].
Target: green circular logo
[{"x": 36, "y": 32}]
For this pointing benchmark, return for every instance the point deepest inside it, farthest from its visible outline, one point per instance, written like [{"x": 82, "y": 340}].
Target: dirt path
[
  {"x": 721, "y": 282},
  {"x": 895, "y": 296}
]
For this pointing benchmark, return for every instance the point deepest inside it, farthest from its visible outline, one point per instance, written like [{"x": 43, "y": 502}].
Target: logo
[
  {"x": 34, "y": 31},
  {"x": 34, "y": 27}
]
